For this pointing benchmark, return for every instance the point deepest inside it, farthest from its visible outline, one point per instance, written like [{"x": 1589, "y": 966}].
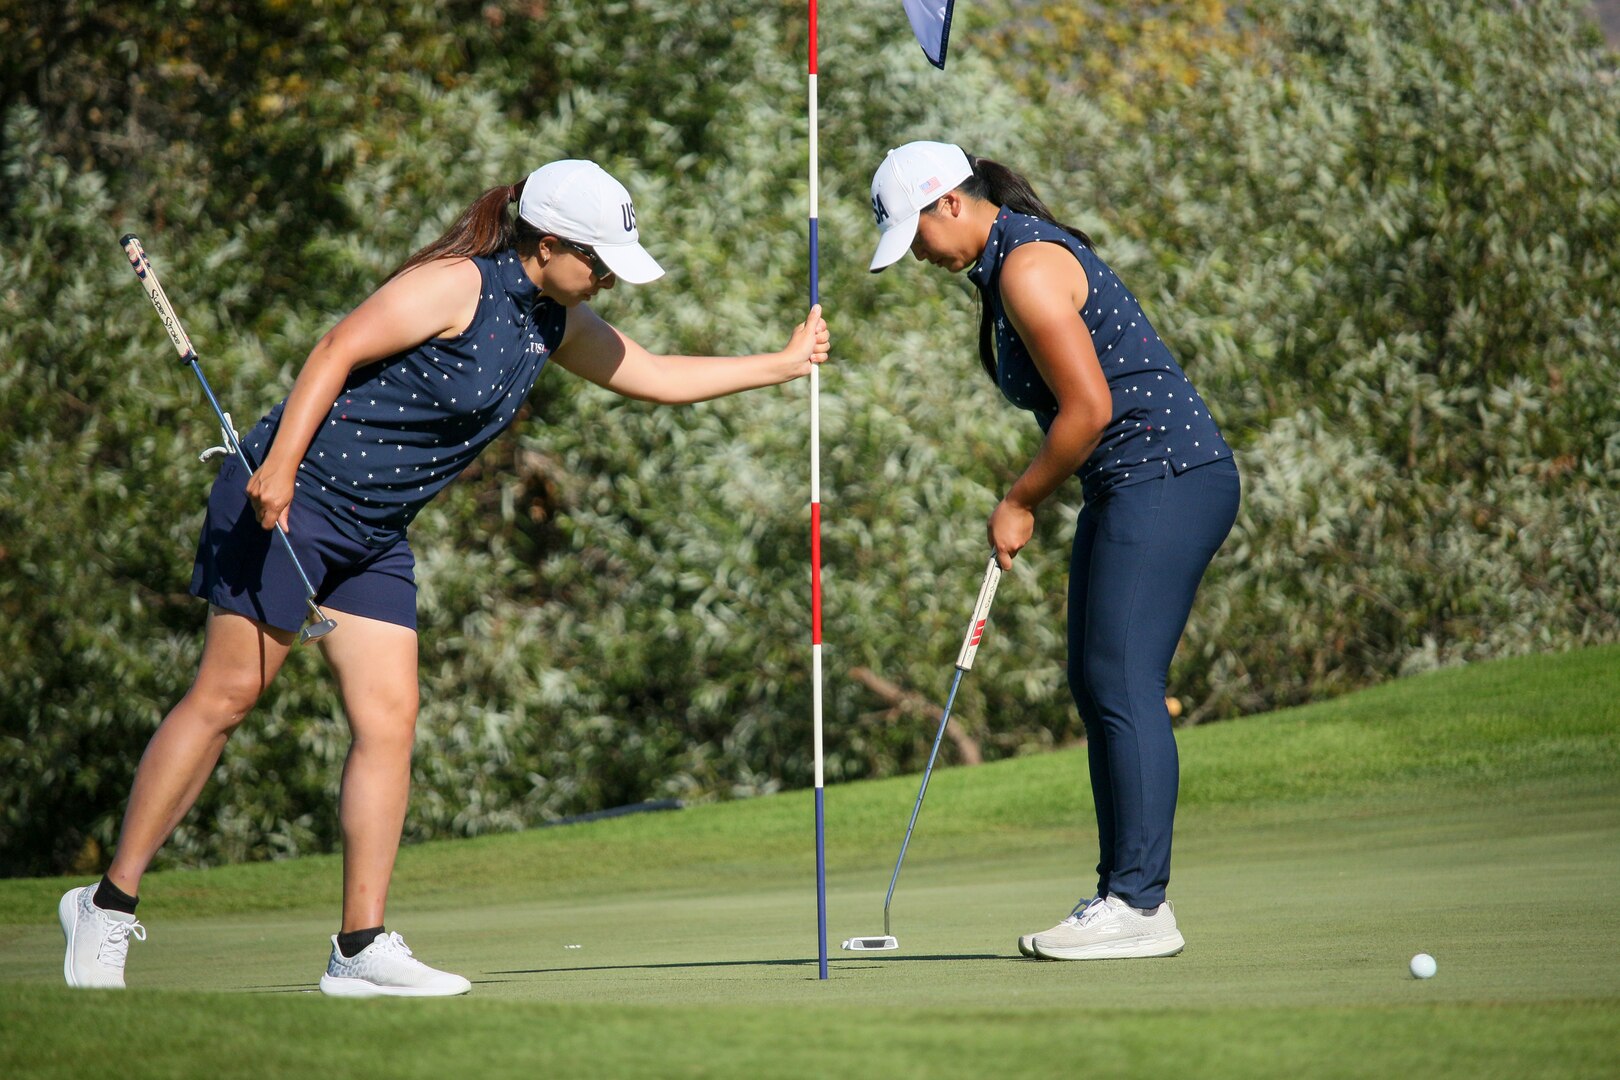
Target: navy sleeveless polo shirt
[
  {"x": 1158, "y": 422},
  {"x": 404, "y": 427}
]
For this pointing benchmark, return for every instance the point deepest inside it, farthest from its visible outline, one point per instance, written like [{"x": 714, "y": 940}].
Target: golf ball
[{"x": 1423, "y": 966}]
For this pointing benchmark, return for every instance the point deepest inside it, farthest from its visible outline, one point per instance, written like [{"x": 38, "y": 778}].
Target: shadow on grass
[
  {"x": 842, "y": 961},
  {"x": 846, "y": 964},
  {"x": 314, "y": 988}
]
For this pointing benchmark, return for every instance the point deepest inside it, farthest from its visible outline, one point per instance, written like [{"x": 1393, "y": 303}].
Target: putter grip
[
  {"x": 139, "y": 263},
  {"x": 981, "y": 615}
]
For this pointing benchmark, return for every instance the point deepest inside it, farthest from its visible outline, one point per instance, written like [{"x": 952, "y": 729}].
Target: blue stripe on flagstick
[{"x": 821, "y": 880}]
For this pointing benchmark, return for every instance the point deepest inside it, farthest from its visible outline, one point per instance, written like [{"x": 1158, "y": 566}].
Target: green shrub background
[{"x": 1380, "y": 237}]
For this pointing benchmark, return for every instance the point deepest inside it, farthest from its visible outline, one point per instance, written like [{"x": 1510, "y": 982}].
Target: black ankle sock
[
  {"x": 110, "y": 897},
  {"x": 351, "y": 942}
]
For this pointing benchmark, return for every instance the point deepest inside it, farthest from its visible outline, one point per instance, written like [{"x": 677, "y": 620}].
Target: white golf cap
[
  {"x": 579, "y": 201},
  {"x": 910, "y": 178}
]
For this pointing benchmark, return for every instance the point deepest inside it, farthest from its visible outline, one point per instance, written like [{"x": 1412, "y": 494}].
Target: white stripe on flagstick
[
  {"x": 815, "y": 675},
  {"x": 815, "y": 374},
  {"x": 815, "y": 435}
]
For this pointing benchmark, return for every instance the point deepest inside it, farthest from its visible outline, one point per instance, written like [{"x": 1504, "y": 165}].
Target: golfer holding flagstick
[
  {"x": 1063, "y": 338},
  {"x": 391, "y": 405}
]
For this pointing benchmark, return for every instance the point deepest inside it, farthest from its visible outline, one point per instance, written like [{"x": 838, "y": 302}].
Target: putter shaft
[
  {"x": 921, "y": 791},
  {"x": 964, "y": 664},
  {"x": 142, "y": 266}
]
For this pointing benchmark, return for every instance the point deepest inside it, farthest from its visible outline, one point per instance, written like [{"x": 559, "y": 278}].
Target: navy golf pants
[{"x": 1139, "y": 554}]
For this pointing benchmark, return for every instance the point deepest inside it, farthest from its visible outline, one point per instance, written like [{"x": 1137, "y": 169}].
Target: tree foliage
[
  {"x": 1379, "y": 236},
  {"x": 1126, "y": 56}
]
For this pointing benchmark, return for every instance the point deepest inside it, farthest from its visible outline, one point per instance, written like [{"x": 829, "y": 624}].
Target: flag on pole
[{"x": 931, "y": 22}]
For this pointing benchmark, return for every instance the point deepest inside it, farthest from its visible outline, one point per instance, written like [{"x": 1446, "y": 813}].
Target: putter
[
  {"x": 964, "y": 662},
  {"x": 138, "y": 262}
]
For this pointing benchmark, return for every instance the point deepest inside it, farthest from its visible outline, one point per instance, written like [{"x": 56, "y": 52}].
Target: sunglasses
[{"x": 599, "y": 269}]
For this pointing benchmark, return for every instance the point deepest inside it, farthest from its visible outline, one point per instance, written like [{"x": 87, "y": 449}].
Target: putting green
[{"x": 1472, "y": 814}]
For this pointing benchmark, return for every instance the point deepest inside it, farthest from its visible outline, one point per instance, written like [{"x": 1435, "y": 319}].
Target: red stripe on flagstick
[
  {"x": 815, "y": 573},
  {"x": 812, "y": 37}
]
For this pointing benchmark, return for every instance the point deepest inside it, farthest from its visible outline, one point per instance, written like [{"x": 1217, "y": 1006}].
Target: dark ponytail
[
  {"x": 995, "y": 183},
  {"x": 482, "y": 229}
]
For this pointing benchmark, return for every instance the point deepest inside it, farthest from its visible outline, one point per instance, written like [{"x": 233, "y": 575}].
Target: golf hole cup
[{"x": 1423, "y": 966}]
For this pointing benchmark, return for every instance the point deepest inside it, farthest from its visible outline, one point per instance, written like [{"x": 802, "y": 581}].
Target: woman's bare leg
[
  {"x": 240, "y": 657},
  {"x": 375, "y": 664}
]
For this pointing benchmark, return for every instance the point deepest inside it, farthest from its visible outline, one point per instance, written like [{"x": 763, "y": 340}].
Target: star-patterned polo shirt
[
  {"x": 1158, "y": 422},
  {"x": 404, "y": 427}
]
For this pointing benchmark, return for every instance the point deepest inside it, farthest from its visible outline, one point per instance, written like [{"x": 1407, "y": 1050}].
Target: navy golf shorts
[{"x": 244, "y": 568}]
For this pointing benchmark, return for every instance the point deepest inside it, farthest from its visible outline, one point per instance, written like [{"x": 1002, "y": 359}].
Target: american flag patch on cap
[{"x": 930, "y": 184}]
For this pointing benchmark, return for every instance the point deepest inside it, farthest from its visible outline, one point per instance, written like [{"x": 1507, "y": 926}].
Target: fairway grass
[
  {"x": 215, "y": 1036},
  {"x": 1473, "y": 814}
]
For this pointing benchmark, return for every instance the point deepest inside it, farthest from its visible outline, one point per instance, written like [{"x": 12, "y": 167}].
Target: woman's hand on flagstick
[{"x": 809, "y": 344}]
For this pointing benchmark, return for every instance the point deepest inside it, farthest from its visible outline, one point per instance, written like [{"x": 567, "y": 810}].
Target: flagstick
[{"x": 815, "y": 534}]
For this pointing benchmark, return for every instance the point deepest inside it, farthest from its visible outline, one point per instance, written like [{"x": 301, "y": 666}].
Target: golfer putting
[
  {"x": 1063, "y": 338},
  {"x": 391, "y": 405}
]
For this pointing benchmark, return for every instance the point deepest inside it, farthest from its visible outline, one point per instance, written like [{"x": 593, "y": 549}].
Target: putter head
[
  {"x": 315, "y": 630},
  {"x": 881, "y": 943}
]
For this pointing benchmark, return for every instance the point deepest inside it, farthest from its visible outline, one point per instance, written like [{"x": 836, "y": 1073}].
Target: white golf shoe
[
  {"x": 1112, "y": 930},
  {"x": 97, "y": 940},
  {"x": 1026, "y": 942},
  {"x": 386, "y": 968}
]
